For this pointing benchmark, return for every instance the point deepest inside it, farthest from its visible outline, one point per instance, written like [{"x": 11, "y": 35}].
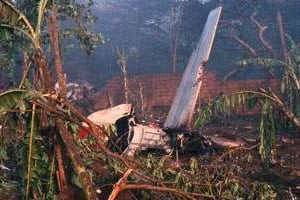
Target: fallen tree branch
[
  {"x": 79, "y": 167},
  {"x": 229, "y": 152},
  {"x": 97, "y": 132},
  {"x": 118, "y": 186},
  {"x": 62, "y": 180},
  {"x": 183, "y": 195},
  {"x": 121, "y": 185}
]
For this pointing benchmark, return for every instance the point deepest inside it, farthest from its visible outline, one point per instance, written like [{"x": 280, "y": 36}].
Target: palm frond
[
  {"x": 247, "y": 98},
  {"x": 267, "y": 63},
  {"x": 291, "y": 43},
  {"x": 294, "y": 51},
  {"x": 15, "y": 19},
  {"x": 12, "y": 98},
  {"x": 227, "y": 104},
  {"x": 41, "y": 11}
]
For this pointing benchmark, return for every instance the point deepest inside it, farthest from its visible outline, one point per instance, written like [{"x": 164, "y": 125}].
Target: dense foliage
[
  {"x": 274, "y": 102},
  {"x": 43, "y": 157}
]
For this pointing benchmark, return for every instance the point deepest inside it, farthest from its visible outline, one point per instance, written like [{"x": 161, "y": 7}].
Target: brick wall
[{"x": 158, "y": 90}]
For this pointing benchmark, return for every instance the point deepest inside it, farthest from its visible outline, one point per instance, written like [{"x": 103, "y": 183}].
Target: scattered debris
[
  {"x": 131, "y": 136},
  {"x": 2, "y": 167},
  {"x": 140, "y": 137},
  {"x": 77, "y": 91}
]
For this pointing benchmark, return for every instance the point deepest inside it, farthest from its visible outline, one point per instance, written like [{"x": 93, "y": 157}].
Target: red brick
[{"x": 160, "y": 89}]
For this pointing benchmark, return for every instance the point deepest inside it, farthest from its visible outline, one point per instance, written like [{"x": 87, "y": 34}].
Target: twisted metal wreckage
[{"x": 140, "y": 137}]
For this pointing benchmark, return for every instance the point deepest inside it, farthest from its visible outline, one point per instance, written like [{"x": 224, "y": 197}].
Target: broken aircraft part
[
  {"x": 130, "y": 136},
  {"x": 183, "y": 106},
  {"x": 141, "y": 137},
  {"x": 109, "y": 116},
  {"x": 144, "y": 137}
]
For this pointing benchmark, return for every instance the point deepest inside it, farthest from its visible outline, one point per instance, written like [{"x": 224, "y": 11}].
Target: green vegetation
[
  {"x": 42, "y": 156},
  {"x": 277, "y": 110}
]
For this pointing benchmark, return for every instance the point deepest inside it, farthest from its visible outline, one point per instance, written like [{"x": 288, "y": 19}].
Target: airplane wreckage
[{"x": 132, "y": 136}]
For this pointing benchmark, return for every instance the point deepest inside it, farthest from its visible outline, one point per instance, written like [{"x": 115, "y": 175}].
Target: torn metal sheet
[
  {"x": 139, "y": 137},
  {"x": 3, "y": 167},
  {"x": 144, "y": 137},
  {"x": 224, "y": 142},
  {"x": 182, "y": 109},
  {"x": 109, "y": 116}
]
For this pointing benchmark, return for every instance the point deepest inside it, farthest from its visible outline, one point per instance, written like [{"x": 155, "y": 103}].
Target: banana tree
[
  {"x": 285, "y": 100},
  {"x": 14, "y": 19},
  {"x": 40, "y": 164}
]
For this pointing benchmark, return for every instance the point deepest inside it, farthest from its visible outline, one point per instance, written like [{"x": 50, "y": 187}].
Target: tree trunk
[
  {"x": 62, "y": 180},
  {"x": 125, "y": 86},
  {"x": 174, "y": 32},
  {"x": 53, "y": 27},
  {"x": 281, "y": 32},
  {"x": 79, "y": 167},
  {"x": 43, "y": 79}
]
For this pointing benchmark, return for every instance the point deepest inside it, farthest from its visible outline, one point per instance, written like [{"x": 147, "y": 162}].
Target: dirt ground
[{"x": 284, "y": 170}]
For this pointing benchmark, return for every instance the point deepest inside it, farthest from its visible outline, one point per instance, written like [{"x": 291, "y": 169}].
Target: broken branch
[
  {"x": 244, "y": 44},
  {"x": 183, "y": 195},
  {"x": 62, "y": 180},
  {"x": 118, "y": 186},
  {"x": 77, "y": 162},
  {"x": 261, "y": 30}
]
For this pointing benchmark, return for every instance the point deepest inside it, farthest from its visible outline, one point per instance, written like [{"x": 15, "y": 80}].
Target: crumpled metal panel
[
  {"x": 109, "y": 116},
  {"x": 183, "y": 106},
  {"x": 144, "y": 137}
]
